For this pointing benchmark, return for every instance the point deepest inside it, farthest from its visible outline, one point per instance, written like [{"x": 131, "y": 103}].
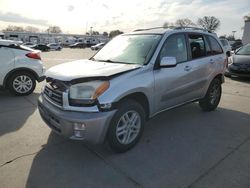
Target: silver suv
[{"x": 131, "y": 79}]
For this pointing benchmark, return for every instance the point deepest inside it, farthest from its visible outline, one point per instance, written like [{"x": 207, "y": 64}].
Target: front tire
[
  {"x": 126, "y": 126},
  {"x": 213, "y": 95},
  {"x": 22, "y": 83}
]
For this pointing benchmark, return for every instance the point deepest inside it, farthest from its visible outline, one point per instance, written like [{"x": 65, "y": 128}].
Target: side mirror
[{"x": 168, "y": 62}]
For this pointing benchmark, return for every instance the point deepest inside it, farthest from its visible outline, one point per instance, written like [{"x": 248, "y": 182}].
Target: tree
[
  {"x": 54, "y": 29},
  {"x": 105, "y": 33},
  {"x": 166, "y": 24},
  {"x": 14, "y": 28},
  {"x": 184, "y": 22},
  {"x": 231, "y": 37},
  {"x": 114, "y": 33},
  {"x": 95, "y": 33},
  {"x": 210, "y": 23},
  {"x": 32, "y": 29},
  {"x": 247, "y": 17}
]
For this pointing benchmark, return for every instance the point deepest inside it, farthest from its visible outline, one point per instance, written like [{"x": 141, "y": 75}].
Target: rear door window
[{"x": 197, "y": 46}]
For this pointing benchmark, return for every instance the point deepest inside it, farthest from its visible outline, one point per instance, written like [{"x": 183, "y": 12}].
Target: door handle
[
  {"x": 211, "y": 61},
  {"x": 187, "y": 68}
]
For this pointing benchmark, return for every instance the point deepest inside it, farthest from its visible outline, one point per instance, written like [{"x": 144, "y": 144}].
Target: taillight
[{"x": 34, "y": 55}]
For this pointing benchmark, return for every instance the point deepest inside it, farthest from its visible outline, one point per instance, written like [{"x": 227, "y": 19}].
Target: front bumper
[
  {"x": 62, "y": 122},
  {"x": 237, "y": 71}
]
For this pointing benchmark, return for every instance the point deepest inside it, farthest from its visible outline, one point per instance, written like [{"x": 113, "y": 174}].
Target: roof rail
[
  {"x": 194, "y": 28},
  {"x": 170, "y": 27},
  {"x": 175, "y": 27}
]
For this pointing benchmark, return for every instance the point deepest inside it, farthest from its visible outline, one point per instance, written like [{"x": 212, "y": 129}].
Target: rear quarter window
[{"x": 215, "y": 46}]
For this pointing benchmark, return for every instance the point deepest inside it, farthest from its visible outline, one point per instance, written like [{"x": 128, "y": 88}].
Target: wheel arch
[
  {"x": 18, "y": 70},
  {"x": 141, "y": 98}
]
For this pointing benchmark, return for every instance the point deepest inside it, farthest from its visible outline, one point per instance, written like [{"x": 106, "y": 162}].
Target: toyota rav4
[{"x": 131, "y": 79}]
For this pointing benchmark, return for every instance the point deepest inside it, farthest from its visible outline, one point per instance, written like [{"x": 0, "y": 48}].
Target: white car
[
  {"x": 97, "y": 46},
  {"x": 20, "y": 67},
  {"x": 29, "y": 44},
  {"x": 55, "y": 46}
]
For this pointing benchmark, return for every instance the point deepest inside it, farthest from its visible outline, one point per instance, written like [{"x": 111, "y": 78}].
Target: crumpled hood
[
  {"x": 241, "y": 59},
  {"x": 87, "y": 68}
]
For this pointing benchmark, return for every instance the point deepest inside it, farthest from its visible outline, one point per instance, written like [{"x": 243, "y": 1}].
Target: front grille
[
  {"x": 54, "y": 91},
  {"x": 54, "y": 95}
]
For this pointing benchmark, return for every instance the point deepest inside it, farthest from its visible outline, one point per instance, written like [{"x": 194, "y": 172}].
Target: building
[
  {"x": 46, "y": 38},
  {"x": 246, "y": 33},
  {"x": 1, "y": 35}
]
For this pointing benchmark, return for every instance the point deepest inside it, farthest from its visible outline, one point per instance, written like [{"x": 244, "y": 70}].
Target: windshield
[
  {"x": 245, "y": 50},
  {"x": 129, "y": 49}
]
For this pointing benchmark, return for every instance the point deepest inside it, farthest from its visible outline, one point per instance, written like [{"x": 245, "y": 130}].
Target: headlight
[
  {"x": 230, "y": 60},
  {"x": 87, "y": 92}
]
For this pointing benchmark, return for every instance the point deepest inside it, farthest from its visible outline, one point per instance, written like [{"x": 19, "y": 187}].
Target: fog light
[
  {"x": 79, "y": 126},
  {"x": 78, "y": 134},
  {"x": 106, "y": 106}
]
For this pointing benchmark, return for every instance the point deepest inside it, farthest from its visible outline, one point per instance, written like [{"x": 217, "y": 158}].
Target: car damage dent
[{"x": 87, "y": 70}]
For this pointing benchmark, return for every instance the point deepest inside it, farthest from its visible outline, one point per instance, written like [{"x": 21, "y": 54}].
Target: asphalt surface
[{"x": 183, "y": 147}]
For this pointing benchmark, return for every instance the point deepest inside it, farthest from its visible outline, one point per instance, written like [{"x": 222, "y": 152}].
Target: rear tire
[
  {"x": 21, "y": 83},
  {"x": 126, "y": 127},
  {"x": 213, "y": 95}
]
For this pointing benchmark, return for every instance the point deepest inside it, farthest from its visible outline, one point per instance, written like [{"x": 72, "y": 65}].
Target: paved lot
[{"x": 184, "y": 147}]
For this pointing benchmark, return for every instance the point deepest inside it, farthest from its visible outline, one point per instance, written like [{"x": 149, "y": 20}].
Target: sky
[{"x": 77, "y": 16}]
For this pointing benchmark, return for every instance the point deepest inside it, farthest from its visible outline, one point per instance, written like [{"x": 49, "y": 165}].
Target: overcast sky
[{"x": 77, "y": 16}]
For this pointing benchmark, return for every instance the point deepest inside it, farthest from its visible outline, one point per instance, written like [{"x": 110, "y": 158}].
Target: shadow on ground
[
  {"x": 14, "y": 110},
  {"x": 176, "y": 148}
]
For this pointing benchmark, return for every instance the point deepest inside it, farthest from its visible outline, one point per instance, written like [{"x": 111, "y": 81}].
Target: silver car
[{"x": 131, "y": 79}]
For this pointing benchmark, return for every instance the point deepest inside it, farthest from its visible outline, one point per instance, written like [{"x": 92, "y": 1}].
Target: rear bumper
[{"x": 62, "y": 122}]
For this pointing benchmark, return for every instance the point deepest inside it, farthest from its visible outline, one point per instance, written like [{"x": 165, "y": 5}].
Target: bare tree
[
  {"x": 210, "y": 23},
  {"x": 166, "y": 24},
  {"x": 54, "y": 29},
  {"x": 32, "y": 29},
  {"x": 14, "y": 28},
  {"x": 184, "y": 22},
  {"x": 114, "y": 33}
]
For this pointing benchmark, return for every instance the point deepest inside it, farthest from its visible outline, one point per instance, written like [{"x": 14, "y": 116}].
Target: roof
[{"x": 9, "y": 42}]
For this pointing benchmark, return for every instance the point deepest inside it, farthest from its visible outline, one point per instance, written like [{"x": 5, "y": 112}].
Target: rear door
[
  {"x": 172, "y": 84},
  {"x": 6, "y": 62}
]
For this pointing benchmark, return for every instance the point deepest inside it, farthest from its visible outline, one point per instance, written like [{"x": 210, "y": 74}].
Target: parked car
[
  {"x": 239, "y": 63},
  {"x": 78, "y": 45},
  {"x": 97, "y": 46},
  {"x": 131, "y": 79},
  {"x": 54, "y": 46},
  {"x": 20, "y": 67},
  {"x": 227, "y": 47},
  {"x": 42, "y": 47},
  {"x": 29, "y": 44},
  {"x": 236, "y": 44}
]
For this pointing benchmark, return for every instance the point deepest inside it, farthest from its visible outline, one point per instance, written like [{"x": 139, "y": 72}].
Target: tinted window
[
  {"x": 175, "y": 46},
  {"x": 215, "y": 46},
  {"x": 197, "y": 46}
]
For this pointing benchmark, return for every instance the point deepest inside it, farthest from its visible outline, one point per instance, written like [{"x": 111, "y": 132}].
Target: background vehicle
[
  {"x": 239, "y": 63},
  {"x": 54, "y": 46},
  {"x": 29, "y": 44},
  {"x": 20, "y": 67},
  {"x": 78, "y": 45},
  {"x": 236, "y": 44},
  {"x": 131, "y": 79},
  {"x": 42, "y": 47},
  {"x": 97, "y": 46},
  {"x": 227, "y": 47}
]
